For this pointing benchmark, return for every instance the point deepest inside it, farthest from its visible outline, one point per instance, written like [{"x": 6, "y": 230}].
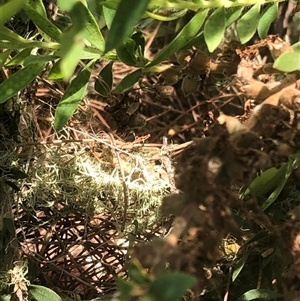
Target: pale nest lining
[{"x": 71, "y": 174}]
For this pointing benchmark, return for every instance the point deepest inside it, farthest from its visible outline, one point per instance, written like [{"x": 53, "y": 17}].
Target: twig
[
  {"x": 228, "y": 285},
  {"x": 125, "y": 192}
]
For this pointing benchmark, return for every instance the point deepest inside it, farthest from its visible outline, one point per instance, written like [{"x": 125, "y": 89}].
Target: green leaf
[
  {"x": 42, "y": 293},
  {"x": 269, "y": 15},
  {"x": 5, "y": 297},
  {"x": 19, "y": 81},
  {"x": 239, "y": 266},
  {"x": 125, "y": 288},
  {"x": 296, "y": 47},
  {"x": 232, "y": 14},
  {"x": 11, "y": 40},
  {"x": 126, "y": 52},
  {"x": 39, "y": 18},
  {"x": 72, "y": 43},
  {"x": 287, "y": 169},
  {"x": 128, "y": 81},
  {"x": 189, "y": 85},
  {"x": 104, "y": 81},
  {"x": 71, "y": 99},
  {"x": 71, "y": 56},
  {"x": 9, "y": 224},
  {"x": 214, "y": 29},
  {"x": 173, "y": 16},
  {"x": 184, "y": 36},
  {"x": 126, "y": 17},
  {"x": 171, "y": 286},
  {"x": 12, "y": 185},
  {"x": 109, "y": 15},
  {"x": 288, "y": 62},
  {"x": 262, "y": 294},
  {"x": 271, "y": 181},
  {"x": 4, "y": 56},
  {"x": 66, "y": 5},
  {"x": 15, "y": 173},
  {"x": 137, "y": 274},
  {"x": 9, "y": 9},
  {"x": 266, "y": 182},
  {"x": 19, "y": 58},
  {"x": 92, "y": 32},
  {"x": 139, "y": 40},
  {"x": 38, "y": 6},
  {"x": 55, "y": 72},
  {"x": 9, "y": 35},
  {"x": 33, "y": 59},
  {"x": 247, "y": 25}
]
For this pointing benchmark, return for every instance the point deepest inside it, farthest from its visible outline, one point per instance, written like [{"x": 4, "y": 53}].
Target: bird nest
[{"x": 81, "y": 209}]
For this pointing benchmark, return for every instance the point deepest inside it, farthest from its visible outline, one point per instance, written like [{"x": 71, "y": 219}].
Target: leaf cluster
[{"x": 83, "y": 39}]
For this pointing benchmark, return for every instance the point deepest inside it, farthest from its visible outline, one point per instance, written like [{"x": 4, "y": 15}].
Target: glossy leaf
[
  {"x": 71, "y": 99},
  {"x": 171, "y": 286},
  {"x": 42, "y": 293},
  {"x": 9, "y": 9},
  {"x": 104, "y": 81},
  {"x": 288, "y": 62},
  {"x": 188, "y": 32},
  {"x": 128, "y": 81},
  {"x": 246, "y": 26},
  {"x": 269, "y": 15},
  {"x": 19, "y": 80},
  {"x": 126, "y": 17},
  {"x": 214, "y": 29},
  {"x": 262, "y": 294}
]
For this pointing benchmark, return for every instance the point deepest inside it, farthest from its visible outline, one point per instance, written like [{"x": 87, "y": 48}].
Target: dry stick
[
  {"x": 162, "y": 106},
  {"x": 258, "y": 286},
  {"x": 176, "y": 119},
  {"x": 50, "y": 85},
  {"x": 125, "y": 190},
  {"x": 43, "y": 260},
  {"x": 228, "y": 285},
  {"x": 119, "y": 146},
  {"x": 151, "y": 39}
]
